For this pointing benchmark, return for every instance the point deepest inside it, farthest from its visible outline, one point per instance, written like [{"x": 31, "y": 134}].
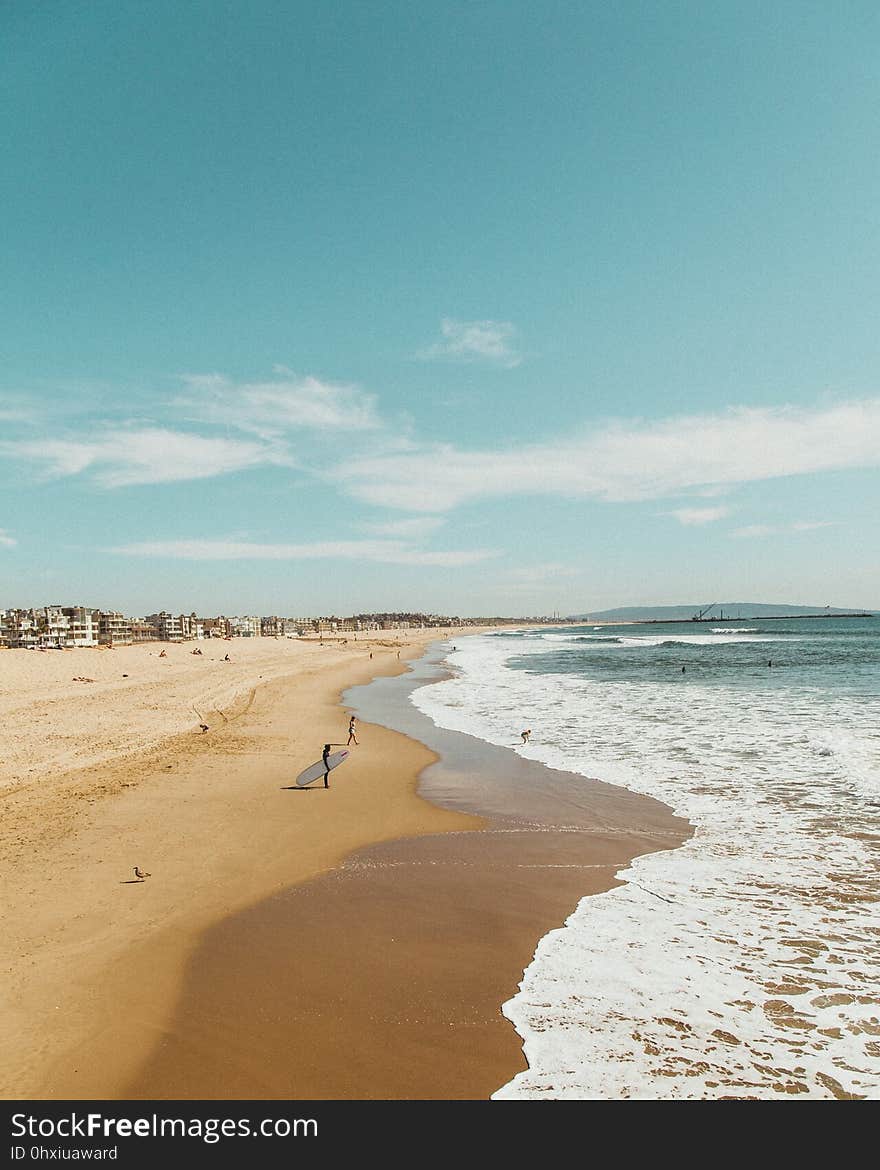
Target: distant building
[
  {"x": 114, "y": 629},
  {"x": 213, "y": 627},
  {"x": 244, "y": 627},
  {"x": 143, "y": 631},
  {"x": 280, "y": 627},
  {"x": 166, "y": 626},
  {"x": 23, "y": 628},
  {"x": 82, "y": 625}
]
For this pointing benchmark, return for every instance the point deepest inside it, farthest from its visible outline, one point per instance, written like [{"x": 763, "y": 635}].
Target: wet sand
[
  {"x": 384, "y": 977},
  {"x": 92, "y": 958}
]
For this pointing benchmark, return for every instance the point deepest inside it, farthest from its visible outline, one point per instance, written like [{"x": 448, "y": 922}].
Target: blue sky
[{"x": 471, "y": 307}]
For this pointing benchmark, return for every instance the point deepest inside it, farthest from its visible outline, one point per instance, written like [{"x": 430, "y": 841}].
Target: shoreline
[
  {"x": 385, "y": 977},
  {"x": 195, "y": 992}
]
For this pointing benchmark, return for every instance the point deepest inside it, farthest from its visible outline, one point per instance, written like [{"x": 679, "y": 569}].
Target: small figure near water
[
  {"x": 526, "y": 735},
  {"x": 325, "y": 757},
  {"x": 769, "y": 661},
  {"x": 352, "y": 738}
]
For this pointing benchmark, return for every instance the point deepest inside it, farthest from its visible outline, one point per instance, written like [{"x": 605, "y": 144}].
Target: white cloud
[
  {"x": 121, "y": 458},
  {"x": 6, "y": 540},
  {"x": 385, "y": 551},
  {"x": 756, "y": 530},
  {"x": 288, "y": 403},
  {"x": 778, "y": 529},
  {"x": 469, "y": 341},
  {"x": 414, "y": 528},
  {"x": 694, "y": 516},
  {"x": 630, "y": 461}
]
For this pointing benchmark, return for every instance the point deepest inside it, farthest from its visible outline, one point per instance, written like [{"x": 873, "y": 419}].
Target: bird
[{"x": 140, "y": 874}]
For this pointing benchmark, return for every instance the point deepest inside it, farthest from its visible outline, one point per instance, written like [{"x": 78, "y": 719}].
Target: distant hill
[{"x": 730, "y": 609}]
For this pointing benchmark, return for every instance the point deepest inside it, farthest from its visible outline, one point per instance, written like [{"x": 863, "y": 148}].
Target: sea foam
[{"x": 743, "y": 964}]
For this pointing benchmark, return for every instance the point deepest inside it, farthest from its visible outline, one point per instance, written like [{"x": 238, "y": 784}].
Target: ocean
[{"x": 745, "y": 963}]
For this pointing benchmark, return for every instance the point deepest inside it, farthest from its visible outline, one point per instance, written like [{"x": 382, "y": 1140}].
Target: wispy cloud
[
  {"x": 7, "y": 541},
  {"x": 388, "y": 552},
  {"x": 475, "y": 341},
  {"x": 752, "y": 530},
  {"x": 414, "y": 528},
  {"x": 120, "y": 458},
  {"x": 697, "y": 516},
  {"x": 287, "y": 403},
  {"x": 630, "y": 461}
]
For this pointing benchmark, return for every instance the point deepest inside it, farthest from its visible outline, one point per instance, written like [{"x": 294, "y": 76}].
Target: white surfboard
[{"x": 316, "y": 771}]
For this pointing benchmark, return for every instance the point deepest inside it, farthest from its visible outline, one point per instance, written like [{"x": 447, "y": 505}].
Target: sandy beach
[{"x": 352, "y": 942}]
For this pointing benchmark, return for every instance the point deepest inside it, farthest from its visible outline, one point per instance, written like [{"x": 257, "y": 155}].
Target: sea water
[{"x": 745, "y": 963}]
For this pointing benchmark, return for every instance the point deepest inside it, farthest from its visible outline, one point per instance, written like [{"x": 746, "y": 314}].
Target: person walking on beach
[
  {"x": 352, "y": 738},
  {"x": 325, "y": 756}
]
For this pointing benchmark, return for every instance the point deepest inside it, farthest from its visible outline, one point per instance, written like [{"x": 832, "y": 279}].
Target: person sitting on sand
[
  {"x": 227, "y": 659},
  {"x": 163, "y": 654}
]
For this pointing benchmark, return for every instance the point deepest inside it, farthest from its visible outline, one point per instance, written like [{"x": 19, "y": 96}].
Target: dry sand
[
  {"x": 290, "y": 943},
  {"x": 98, "y": 777}
]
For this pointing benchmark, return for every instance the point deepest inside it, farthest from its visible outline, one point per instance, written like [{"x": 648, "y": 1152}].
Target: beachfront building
[
  {"x": 166, "y": 626},
  {"x": 82, "y": 625},
  {"x": 280, "y": 627},
  {"x": 114, "y": 629},
  {"x": 213, "y": 627},
  {"x": 142, "y": 631},
  {"x": 192, "y": 626},
  {"x": 244, "y": 627},
  {"x": 21, "y": 628},
  {"x": 53, "y": 627},
  {"x": 50, "y": 627}
]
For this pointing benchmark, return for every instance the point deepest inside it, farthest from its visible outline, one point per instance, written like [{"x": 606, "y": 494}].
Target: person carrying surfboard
[{"x": 325, "y": 757}]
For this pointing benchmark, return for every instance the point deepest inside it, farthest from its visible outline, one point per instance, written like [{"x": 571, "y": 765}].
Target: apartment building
[
  {"x": 22, "y": 628},
  {"x": 167, "y": 626},
  {"x": 82, "y": 625},
  {"x": 143, "y": 631},
  {"x": 244, "y": 627},
  {"x": 114, "y": 629}
]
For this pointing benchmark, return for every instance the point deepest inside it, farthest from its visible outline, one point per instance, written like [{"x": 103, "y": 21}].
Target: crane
[{"x": 698, "y": 617}]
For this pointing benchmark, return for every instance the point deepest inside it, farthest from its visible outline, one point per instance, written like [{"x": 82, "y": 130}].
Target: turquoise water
[{"x": 841, "y": 655}]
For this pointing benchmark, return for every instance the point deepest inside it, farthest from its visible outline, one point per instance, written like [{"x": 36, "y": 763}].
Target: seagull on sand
[{"x": 140, "y": 874}]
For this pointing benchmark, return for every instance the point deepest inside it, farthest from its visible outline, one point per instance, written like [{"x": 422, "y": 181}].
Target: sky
[{"x": 471, "y": 308}]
